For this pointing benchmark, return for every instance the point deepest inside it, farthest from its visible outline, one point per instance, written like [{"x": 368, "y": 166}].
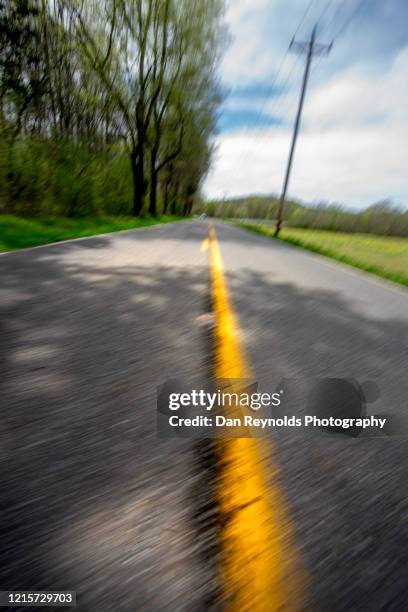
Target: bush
[
  {"x": 66, "y": 178},
  {"x": 381, "y": 218}
]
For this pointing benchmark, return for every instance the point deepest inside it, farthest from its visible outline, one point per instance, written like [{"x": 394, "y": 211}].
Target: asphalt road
[
  {"x": 92, "y": 500},
  {"x": 304, "y": 318}
]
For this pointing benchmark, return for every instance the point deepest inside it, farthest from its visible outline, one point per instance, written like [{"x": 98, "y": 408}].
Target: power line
[
  {"x": 282, "y": 63},
  {"x": 337, "y": 11},
  {"x": 261, "y": 110},
  {"x": 343, "y": 28},
  {"x": 278, "y": 100},
  {"x": 259, "y": 119},
  {"x": 312, "y": 48},
  {"x": 350, "y": 19},
  {"x": 256, "y": 135},
  {"x": 305, "y": 14},
  {"x": 324, "y": 11}
]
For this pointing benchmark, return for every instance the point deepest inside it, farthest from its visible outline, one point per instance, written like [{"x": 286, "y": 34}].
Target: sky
[{"x": 353, "y": 142}]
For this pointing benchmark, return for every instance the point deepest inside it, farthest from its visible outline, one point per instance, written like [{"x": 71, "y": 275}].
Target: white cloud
[
  {"x": 352, "y": 149},
  {"x": 244, "y": 59},
  {"x": 261, "y": 33},
  {"x": 353, "y": 97}
]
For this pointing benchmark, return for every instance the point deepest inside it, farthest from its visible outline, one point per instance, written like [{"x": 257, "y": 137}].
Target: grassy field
[
  {"x": 19, "y": 232},
  {"x": 381, "y": 255}
]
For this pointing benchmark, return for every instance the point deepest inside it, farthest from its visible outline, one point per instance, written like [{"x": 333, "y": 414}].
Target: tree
[{"x": 81, "y": 80}]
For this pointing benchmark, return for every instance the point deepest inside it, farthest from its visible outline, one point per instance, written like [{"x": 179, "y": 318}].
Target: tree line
[
  {"x": 107, "y": 105},
  {"x": 382, "y": 218}
]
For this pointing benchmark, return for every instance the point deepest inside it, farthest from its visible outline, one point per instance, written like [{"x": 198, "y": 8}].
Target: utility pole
[{"x": 311, "y": 48}]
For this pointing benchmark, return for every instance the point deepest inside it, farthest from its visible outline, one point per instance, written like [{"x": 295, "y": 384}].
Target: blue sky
[{"x": 353, "y": 142}]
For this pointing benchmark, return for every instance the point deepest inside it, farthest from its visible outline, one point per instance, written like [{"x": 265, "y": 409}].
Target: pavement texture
[
  {"x": 92, "y": 500},
  {"x": 304, "y": 317}
]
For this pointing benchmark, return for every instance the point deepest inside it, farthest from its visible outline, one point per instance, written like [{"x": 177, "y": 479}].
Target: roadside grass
[
  {"x": 18, "y": 232},
  {"x": 382, "y": 255}
]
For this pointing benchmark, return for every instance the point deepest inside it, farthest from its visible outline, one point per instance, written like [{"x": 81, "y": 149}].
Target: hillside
[{"x": 382, "y": 218}]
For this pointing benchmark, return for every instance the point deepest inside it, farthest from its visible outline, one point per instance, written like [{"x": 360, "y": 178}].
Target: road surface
[
  {"x": 305, "y": 317},
  {"x": 93, "y": 501}
]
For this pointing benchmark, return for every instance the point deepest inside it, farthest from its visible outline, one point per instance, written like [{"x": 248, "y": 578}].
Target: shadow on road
[
  {"x": 91, "y": 499},
  {"x": 348, "y": 496}
]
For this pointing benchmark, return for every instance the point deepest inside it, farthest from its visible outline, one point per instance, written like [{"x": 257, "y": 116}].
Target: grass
[
  {"x": 382, "y": 255},
  {"x": 18, "y": 232}
]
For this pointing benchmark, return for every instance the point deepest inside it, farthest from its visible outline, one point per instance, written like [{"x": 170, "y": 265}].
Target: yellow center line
[{"x": 260, "y": 567}]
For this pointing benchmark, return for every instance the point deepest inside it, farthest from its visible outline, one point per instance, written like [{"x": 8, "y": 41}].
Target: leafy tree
[{"x": 84, "y": 82}]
